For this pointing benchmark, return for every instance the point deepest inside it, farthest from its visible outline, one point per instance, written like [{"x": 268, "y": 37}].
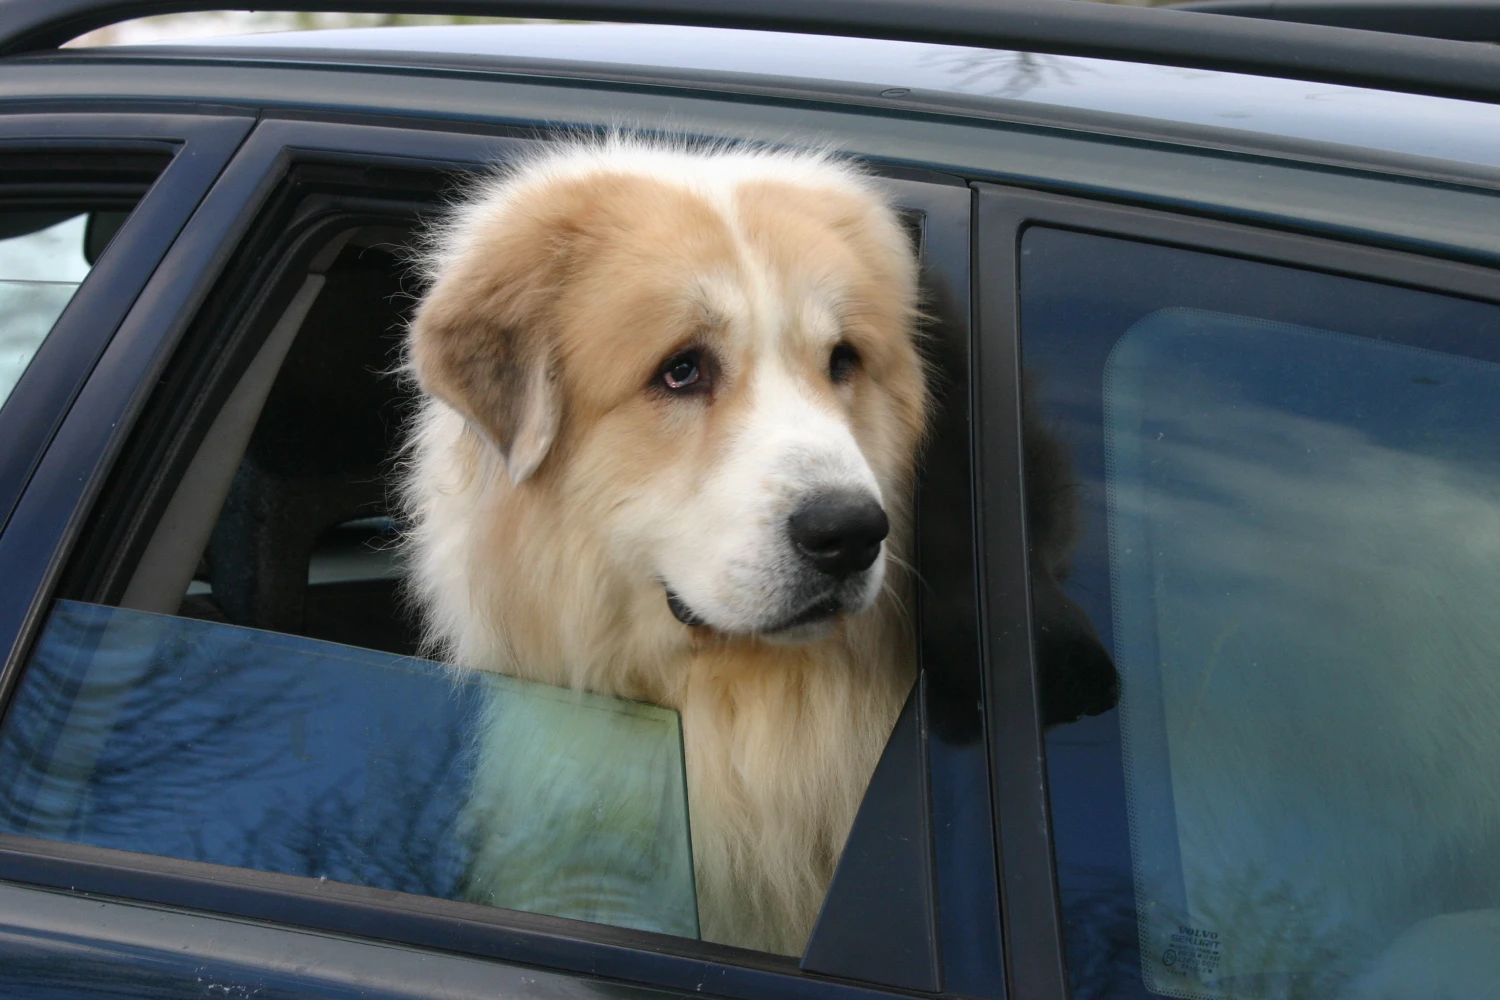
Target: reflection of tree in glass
[
  {"x": 30, "y": 726},
  {"x": 999, "y": 73},
  {"x": 1103, "y": 944},
  {"x": 164, "y": 749},
  {"x": 395, "y": 841},
  {"x": 210, "y": 743},
  {"x": 202, "y": 741}
]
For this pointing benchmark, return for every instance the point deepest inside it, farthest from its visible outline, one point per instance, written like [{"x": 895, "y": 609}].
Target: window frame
[
  {"x": 198, "y": 147},
  {"x": 1033, "y": 916},
  {"x": 51, "y": 516},
  {"x": 966, "y": 884}
]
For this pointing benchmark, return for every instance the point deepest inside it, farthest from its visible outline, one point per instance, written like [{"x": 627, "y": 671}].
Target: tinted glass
[
  {"x": 1288, "y": 538},
  {"x": 44, "y": 257},
  {"x": 210, "y": 742}
]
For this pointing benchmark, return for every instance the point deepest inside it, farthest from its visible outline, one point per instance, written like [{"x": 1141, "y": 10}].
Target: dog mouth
[
  {"x": 819, "y": 610},
  {"x": 681, "y": 611}
]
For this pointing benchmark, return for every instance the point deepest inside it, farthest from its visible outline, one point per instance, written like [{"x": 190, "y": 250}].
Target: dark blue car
[{"x": 1224, "y": 285}]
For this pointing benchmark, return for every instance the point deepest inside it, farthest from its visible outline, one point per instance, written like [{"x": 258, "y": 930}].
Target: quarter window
[
  {"x": 1288, "y": 514},
  {"x": 44, "y": 256}
]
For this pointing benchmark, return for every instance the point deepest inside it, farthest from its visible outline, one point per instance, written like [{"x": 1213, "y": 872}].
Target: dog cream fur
[{"x": 556, "y": 490}]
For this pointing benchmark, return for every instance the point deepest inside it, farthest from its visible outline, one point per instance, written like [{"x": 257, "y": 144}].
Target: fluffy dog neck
[{"x": 780, "y": 740}]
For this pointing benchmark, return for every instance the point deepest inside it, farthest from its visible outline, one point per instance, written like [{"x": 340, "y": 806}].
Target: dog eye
[
  {"x": 842, "y": 362},
  {"x": 684, "y": 373}
]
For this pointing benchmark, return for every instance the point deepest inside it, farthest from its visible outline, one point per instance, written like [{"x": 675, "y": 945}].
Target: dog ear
[
  {"x": 482, "y": 338},
  {"x": 500, "y": 378}
]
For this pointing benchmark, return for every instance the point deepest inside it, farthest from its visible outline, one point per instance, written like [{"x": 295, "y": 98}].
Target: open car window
[
  {"x": 210, "y": 742},
  {"x": 233, "y": 624}
]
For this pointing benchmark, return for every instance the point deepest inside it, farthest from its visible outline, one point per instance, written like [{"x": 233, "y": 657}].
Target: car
[{"x": 1210, "y": 300}]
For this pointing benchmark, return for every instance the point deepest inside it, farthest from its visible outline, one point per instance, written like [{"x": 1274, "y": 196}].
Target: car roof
[{"x": 1006, "y": 82}]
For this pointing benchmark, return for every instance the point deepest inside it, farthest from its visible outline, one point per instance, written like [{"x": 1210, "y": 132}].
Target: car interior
[{"x": 285, "y": 519}]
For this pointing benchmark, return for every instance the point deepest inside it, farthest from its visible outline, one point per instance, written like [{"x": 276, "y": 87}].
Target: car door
[
  {"x": 1270, "y": 459},
  {"x": 214, "y": 703}
]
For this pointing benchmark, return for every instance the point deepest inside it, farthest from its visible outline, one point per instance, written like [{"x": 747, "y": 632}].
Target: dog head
[{"x": 702, "y": 362}]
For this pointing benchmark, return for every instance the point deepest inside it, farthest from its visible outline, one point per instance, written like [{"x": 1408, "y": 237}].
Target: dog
[{"x": 672, "y": 404}]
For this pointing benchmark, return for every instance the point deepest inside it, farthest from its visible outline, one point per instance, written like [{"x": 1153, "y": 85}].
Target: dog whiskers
[{"x": 916, "y": 575}]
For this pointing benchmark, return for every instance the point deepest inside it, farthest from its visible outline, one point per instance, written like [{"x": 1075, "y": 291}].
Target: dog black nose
[{"x": 839, "y": 533}]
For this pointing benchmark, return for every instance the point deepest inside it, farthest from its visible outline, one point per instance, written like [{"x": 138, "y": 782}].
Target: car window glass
[
  {"x": 1288, "y": 526},
  {"x": 42, "y": 262},
  {"x": 210, "y": 742}
]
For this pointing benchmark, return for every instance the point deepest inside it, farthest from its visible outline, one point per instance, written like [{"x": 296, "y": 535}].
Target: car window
[
  {"x": 44, "y": 257},
  {"x": 1287, "y": 533},
  {"x": 209, "y": 742},
  {"x": 234, "y": 626}
]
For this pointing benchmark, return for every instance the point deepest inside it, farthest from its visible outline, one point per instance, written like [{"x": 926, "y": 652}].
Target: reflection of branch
[
  {"x": 1100, "y": 932},
  {"x": 183, "y": 754},
  {"x": 389, "y": 840},
  {"x": 1013, "y": 73},
  {"x": 170, "y": 746}
]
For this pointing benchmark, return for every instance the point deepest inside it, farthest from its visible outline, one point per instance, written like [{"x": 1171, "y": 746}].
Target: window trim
[
  {"x": 1032, "y": 909},
  {"x": 51, "y": 515},
  {"x": 153, "y": 949},
  {"x": 966, "y": 878}
]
